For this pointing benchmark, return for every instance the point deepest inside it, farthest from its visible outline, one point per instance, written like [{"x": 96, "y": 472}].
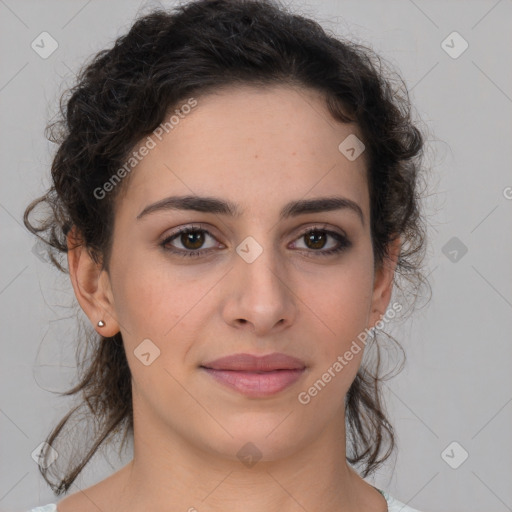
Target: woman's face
[{"x": 250, "y": 283}]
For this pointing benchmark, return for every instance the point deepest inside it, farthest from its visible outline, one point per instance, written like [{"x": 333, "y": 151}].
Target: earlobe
[{"x": 91, "y": 285}]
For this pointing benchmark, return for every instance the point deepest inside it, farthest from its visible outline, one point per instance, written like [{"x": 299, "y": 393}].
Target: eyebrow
[{"x": 220, "y": 206}]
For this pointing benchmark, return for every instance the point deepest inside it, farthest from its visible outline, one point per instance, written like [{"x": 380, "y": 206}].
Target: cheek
[
  {"x": 337, "y": 315},
  {"x": 338, "y": 305},
  {"x": 140, "y": 295},
  {"x": 156, "y": 300}
]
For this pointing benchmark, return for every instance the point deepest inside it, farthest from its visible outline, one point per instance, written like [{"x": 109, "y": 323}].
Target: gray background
[{"x": 456, "y": 385}]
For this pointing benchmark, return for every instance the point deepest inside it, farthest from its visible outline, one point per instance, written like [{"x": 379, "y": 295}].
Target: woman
[{"x": 236, "y": 192}]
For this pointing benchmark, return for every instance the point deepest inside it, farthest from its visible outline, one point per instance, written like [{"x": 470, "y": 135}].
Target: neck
[{"x": 170, "y": 473}]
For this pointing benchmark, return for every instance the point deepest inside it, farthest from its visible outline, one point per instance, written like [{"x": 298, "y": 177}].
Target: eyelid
[
  {"x": 186, "y": 228},
  {"x": 321, "y": 227},
  {"x": 333, "y": 232},
  {"x": 301, "y": 230}
]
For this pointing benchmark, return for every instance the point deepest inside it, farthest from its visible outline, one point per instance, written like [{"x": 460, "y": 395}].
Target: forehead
[{"x": 256, "y": 146}]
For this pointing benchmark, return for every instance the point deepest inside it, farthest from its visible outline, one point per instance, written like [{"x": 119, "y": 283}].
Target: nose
[{"x": 260, "y": 296}]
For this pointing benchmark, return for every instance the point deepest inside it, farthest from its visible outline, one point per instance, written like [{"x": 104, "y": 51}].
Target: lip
[
  {"x": 256, "y": 376},
  {"x": 253, "y": 363}
]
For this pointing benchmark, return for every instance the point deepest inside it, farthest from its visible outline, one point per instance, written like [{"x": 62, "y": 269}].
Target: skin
[{"x": 259, "y": 148}]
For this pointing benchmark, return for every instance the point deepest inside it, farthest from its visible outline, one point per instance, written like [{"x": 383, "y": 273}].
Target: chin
[{"x": 263, "y": 436}]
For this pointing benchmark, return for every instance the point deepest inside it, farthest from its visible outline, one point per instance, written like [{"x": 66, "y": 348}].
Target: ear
[
  {"x": 383, "y": 282},
  {"x": 92, "y": 285}
]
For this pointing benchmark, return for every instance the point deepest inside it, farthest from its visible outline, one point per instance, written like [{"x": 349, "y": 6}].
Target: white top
[{"x": 393, "y": 505}]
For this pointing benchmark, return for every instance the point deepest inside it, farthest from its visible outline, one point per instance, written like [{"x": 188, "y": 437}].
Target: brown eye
[
  {"x": 192, "y": 239},
  {"x": 316, "y": 239}
]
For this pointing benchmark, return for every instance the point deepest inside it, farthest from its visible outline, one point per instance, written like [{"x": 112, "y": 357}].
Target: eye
[
  {"x": 316, "y": 239},
  {"x": 191, "y": 239}
]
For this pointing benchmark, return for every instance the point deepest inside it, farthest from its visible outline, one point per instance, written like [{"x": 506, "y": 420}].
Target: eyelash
[{"x": 344, "y": 242}]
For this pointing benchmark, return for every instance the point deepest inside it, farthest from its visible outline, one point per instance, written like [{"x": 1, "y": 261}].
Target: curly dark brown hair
[{"x": 124, "y": 93}]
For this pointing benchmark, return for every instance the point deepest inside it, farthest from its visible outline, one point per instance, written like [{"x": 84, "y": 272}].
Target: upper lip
[{"x": 253, "y": 363}]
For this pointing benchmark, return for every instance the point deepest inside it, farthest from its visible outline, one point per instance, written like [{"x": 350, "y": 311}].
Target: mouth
[
  {"x": 256, "y": 384},
  {"x": 256, "y": 376}
]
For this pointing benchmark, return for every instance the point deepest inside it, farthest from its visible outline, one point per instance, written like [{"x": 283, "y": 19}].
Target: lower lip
[{"x": 254, "y": 384}]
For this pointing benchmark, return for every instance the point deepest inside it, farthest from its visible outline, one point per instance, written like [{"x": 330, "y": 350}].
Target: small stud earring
[{"x": 101, "y": 323}]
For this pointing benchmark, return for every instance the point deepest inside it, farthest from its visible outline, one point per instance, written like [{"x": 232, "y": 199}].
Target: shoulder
[
  {"x": 103, "y": 494},
  {"x": 51, "y": 507},
  {"x": 395, "y": 505}
]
